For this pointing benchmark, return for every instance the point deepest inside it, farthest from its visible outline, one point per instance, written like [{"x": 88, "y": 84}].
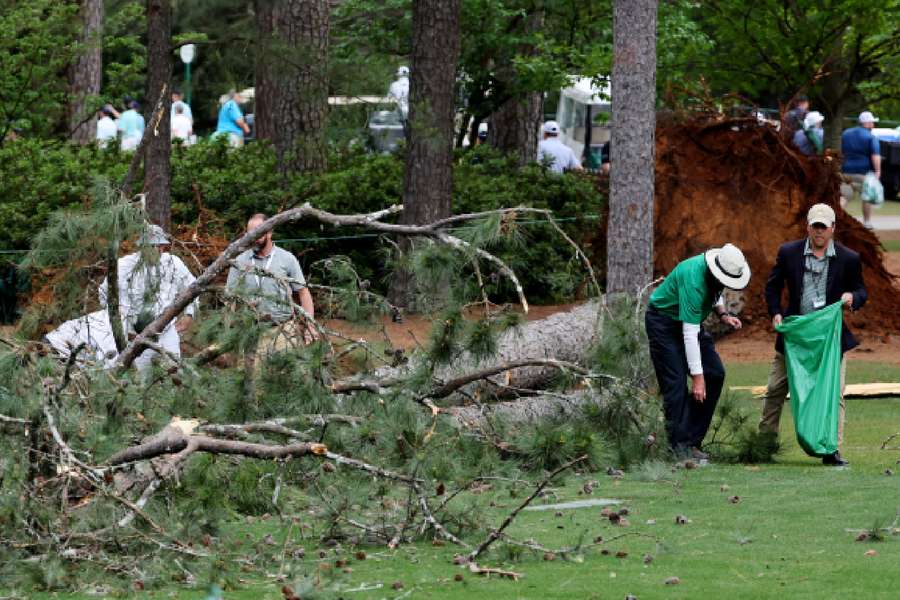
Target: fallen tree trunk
[
  {"x": 549, "y": 343},
  {"x": 527, "y": 410}
]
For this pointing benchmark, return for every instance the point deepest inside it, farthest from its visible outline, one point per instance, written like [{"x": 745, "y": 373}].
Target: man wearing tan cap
[
  {"x": 817, "y": 272},
  {"x": 679, "y": 348}
]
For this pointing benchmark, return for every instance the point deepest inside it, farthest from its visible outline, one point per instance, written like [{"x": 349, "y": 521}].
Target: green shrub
[{"x": 38, "y": 177}]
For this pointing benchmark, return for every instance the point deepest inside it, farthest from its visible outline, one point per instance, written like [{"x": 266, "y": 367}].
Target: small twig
[
  {"x": 496, "y": 533},
  {"x": 579, "y": 253},
  {"x": 362, "y": 466},
  {"x": 440, "y": 529},
  {"x": 473, "y": 568},
  {"x": 13, "y": 420},
  {"x": 888, "y": 440},
  {"x": 141, "y": 502}
]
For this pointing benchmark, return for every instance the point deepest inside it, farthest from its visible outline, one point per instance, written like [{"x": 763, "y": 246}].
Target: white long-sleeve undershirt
[{"x": 691, "y": 332}]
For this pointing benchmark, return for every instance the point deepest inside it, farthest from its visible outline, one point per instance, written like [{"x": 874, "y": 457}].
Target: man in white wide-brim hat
[{"x": 680, "y": 348}]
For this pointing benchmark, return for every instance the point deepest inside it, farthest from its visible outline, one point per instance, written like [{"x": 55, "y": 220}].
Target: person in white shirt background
[
  {"x": 177, "y": 100},
  {"x": 107, "y": 129},
  {"x": 399, "y": 91},
  {"x": 182, "y": 128},
  {"x": 558, "y": 157}
]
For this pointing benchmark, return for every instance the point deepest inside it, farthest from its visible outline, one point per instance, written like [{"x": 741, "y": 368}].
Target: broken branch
[{"x": 497, "y": 533}]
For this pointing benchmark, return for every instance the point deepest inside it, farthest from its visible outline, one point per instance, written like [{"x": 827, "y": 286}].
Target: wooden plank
[{"x": 855, "y": 390}]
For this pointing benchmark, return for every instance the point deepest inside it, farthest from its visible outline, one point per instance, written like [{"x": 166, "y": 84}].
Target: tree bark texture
[
  {"x": 630, "y": 234},
  {"x": 524, "y": 411},
  {"x": 157, "y": 138},
  {"x": 514, "y": 127},
  {"x": 292, "y": 80},
  {"x": 86, "y": 74},
  {"x": 428, "y": 180}
]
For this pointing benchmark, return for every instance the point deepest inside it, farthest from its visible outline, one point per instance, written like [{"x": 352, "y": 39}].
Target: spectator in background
[
  {"x": 131, "y": 124},
  {"x": 399, "y": 91},
  {"x": 185, "y": 107},
  {"x": 232, "y": 122},
  {"x": 605, "y": 160},
  {"x": 182, "y": 128},
  {"x": 793, "y": 120},
  {"x": 554, "y": 153},
  {"x": 107, "y": 129},
  {"x": 809, "y": 139},
  {"x": 862, "y": 154}
]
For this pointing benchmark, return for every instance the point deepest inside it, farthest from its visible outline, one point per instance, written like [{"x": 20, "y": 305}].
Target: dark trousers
[{"x": 686, "y": 419}]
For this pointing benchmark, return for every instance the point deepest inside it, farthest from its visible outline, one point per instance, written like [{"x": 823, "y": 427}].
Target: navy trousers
[{"x": 687, "y": 420}]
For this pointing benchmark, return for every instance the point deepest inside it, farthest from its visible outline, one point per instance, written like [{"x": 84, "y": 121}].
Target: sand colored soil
[{"x": 721, "y": 181}]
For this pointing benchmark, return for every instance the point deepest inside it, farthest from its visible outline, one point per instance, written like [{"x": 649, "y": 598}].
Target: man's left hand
[
  {"x": 847, "y": 299},
  {"x": 732, "y": 322}
]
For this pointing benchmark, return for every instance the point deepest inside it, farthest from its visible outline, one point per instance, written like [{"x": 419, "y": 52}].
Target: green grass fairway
[{"x": 786, "y": 538}]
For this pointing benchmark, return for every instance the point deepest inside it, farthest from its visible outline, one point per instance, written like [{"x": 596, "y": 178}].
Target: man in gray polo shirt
[{"x": 272, "y": 295}]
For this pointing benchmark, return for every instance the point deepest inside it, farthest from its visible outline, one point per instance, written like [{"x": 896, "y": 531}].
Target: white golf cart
[{"x": 582, "y": 115}]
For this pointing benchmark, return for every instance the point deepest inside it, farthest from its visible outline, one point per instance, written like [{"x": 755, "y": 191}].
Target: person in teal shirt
[
  {"x": 131, "y": 124},
  {"x": 232, "y": 122},
  {"x": 680, "y": 348}
]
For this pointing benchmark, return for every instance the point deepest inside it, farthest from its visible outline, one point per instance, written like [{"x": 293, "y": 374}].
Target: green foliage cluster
[
  {"x": 35, "y": 45},
  {"x": 39, "y": 40},
  {"x": 735, "y": 437}
]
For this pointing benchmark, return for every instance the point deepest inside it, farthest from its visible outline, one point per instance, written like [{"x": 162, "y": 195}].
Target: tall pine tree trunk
[
  {"x": 428, "y": 180},
  {"x": 86, "y": 74},
  {"x": 630, "y": 237},
  {"x": 834, "y": 96},
  {"x": 157, "y": 142},
  {"x": 292, "y": 80},
  {"x": 514, "y": 127}
]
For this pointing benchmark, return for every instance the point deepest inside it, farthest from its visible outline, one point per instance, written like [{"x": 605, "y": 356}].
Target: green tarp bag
[{"x": 812, "y": 355}]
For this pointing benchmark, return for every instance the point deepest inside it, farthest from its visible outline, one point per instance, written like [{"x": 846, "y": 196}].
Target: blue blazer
[{"x": 844, "y": 275}]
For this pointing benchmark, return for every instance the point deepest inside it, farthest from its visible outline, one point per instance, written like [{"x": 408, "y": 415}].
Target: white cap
[
  {"x": 812, "y": 119},
  {"x": 820, "y": 213},
  {"x": 867, "y": 117},
  {"x": 402, "y": 71},
  {"x": 728, "y": 265},
  {"x": 551, "y": 127}
]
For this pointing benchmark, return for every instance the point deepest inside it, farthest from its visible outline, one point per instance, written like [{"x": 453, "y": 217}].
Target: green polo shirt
[{"x": 684, "y": 295}]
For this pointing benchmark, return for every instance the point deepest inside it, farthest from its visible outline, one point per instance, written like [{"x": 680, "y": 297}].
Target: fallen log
[
  {"x": 537, "y": 350},
  {"x": 532, "y": 409}
]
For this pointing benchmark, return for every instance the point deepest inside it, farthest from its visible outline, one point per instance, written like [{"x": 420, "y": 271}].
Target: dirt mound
[{"x": 721, "y": 181}]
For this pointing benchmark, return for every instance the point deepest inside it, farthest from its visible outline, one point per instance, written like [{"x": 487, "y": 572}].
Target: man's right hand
[
  {"x": 698, "y": 387},
  {"x": 776, "y": 320}
]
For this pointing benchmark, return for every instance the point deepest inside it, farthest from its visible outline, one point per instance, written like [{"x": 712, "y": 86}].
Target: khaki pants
[
  {"x": 851, "y": 186},
  {"x": 777, "y": 391}
]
